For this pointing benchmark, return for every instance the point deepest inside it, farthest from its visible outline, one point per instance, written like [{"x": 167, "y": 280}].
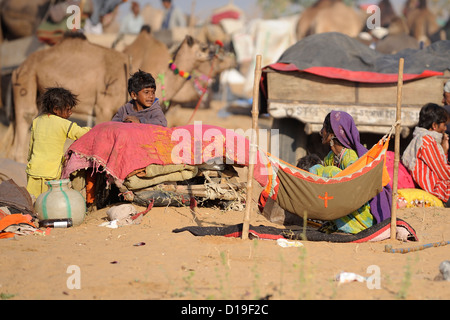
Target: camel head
[
  {"x": 387, "y": 13},
  {"x": 398, "y": 26},
  {"x": 422, "y": 4},
  {"x": 191, "y": 53},
  {"x": 222, "y": 60},
  {"x": 186, "y": 58},
  {"x": 225, "y": 59}
]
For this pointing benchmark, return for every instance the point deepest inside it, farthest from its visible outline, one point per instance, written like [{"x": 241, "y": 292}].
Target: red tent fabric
[{"x": 356, "y": 76}]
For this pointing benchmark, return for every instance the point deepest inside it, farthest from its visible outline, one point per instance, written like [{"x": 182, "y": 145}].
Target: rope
[
  {"x": 391, "y": 131},
  {"x": 150, "y": 206},
  {"x": 187, "y": 76},
  {"x": 161, "y": 78},
  {"x": 201, "y": 97},
  {"x": 388, "y": 248}
]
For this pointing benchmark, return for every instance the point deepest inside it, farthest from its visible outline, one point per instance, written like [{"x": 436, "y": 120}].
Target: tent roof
[{"x": 12, "y": 195}]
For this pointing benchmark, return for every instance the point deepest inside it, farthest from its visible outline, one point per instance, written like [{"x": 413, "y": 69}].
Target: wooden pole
[
  {"x": 192, "y": 17},
  {"x": 397, "y": 151},
  {"x": 253, "y": 148}
]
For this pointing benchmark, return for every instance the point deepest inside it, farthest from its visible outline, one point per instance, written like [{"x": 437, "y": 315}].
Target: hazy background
[{"x": 203, "y": 8}]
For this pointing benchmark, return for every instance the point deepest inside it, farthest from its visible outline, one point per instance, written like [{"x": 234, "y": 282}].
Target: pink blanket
[
  {"x": 405, "y": 179},
  {"x": 120, "y": 148}
]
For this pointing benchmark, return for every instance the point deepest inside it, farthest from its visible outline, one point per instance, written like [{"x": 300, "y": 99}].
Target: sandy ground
[{"x": 97, "y": 263}]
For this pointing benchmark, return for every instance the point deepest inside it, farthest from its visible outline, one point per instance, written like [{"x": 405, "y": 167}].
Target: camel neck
[
  {"x": 170, "y": 82},
  {"x": 177, "y": 71}
]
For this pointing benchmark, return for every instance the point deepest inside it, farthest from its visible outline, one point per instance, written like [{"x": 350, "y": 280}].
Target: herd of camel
[
  {"x": 99, "y": 74},
  {"x": 417, "y": 20}
]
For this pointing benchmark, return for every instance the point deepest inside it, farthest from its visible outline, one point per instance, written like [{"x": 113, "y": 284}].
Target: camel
[
  {"x": 329, "y": 16},
  {"x": 308, "y": 16},
  {"x": 442, "y": 34},
  {"x": 409, "y": 6},
  {"x": 96, "y": 74},
  {"x": 387, "y": 13},
  {"x": 151, "y": 55},
  {"x": 21, "y": 18},
  {"x": 148, "y": 53},
  {"x": 422, "y": 22},
  {"x": 398, "y": 38},
  {"x": 204, "y": 75}
]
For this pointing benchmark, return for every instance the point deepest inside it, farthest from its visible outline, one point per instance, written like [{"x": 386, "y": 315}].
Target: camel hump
[
  {"x": 146, "y": 28},
  {"x": 74, "y": 35}
]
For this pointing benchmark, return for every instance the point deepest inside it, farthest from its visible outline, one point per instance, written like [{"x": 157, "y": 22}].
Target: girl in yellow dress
[{"x": 49, "y": 132}]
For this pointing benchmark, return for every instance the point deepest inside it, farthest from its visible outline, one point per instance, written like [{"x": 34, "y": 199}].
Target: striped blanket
[{"x": 378, "y": 232}]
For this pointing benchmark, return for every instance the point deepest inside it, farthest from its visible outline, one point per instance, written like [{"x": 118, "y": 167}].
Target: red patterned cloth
[{"x": 121, "y": 148}]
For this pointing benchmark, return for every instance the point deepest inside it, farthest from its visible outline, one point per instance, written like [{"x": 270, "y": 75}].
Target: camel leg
[
  {"x": 21, "y": 135},
  {"x": 25, "y": 110},
  {"x": 6, "y": 142}
]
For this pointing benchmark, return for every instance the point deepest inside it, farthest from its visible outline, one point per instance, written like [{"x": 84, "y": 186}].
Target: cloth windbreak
[{"x": 344, "y": 128}]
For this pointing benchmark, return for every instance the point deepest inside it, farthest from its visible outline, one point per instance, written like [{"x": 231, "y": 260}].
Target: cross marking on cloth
[{"x": 326, "y": 198}]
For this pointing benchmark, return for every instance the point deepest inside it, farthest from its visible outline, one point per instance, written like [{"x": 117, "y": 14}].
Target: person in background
[
  {"x": 446, "y": 103},
  {"x": 446, "y": 94},
  {"x": 173, "y": 16},
  {"x": 426, "y": 156},
  {"x": 133, "y": 21},
  {"x": 49, "y": 132}
]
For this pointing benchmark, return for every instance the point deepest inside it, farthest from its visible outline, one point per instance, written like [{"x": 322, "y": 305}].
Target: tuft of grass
[
  {"x": 225, "y": 291},
  {"x": 305, "y": 224},
  {"x": 256, "y": 275},
  {"x": 6, "y": 296},
  {"x": 302, "y": 279},
  {"x": 190, "y": 283},
  {"x": 406, "y": 281},
  {"x": 282, "y": 262}
]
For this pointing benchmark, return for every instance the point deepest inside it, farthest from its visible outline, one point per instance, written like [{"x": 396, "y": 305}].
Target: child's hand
[
  {"x": 132, "y": 119},
  {"x": 445, "y": 143}
]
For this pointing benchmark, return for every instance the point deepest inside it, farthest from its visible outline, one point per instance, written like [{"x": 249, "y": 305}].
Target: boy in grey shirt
[{"x": 144, "y": 106}]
